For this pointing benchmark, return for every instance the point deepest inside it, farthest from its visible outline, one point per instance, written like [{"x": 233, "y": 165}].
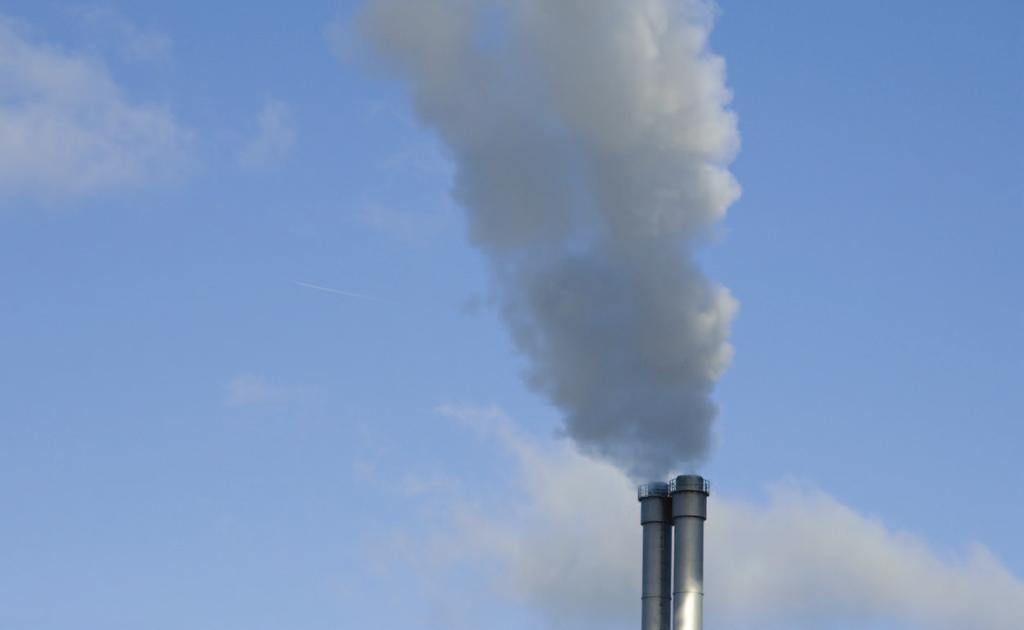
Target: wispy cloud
[
  {"x": 131, "y": 41},
  {"x": 68, "y": 130},
  {"x": 251, "y": 390},
  {"x": 428, "y": 485},
  {"x": 273, "y": 137}
]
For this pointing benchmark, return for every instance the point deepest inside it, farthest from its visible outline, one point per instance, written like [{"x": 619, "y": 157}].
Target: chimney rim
[
  {"x": 652, "y": 489},
  {"x": 689, "y": 483}
]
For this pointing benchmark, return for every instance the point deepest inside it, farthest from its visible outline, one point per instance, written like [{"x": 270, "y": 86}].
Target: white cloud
[
  {"x": 567, "y": 546},
  {"x": 419, "y": 485},
  {"x": 132, "y": 42},
  {"x": 273, "y": 137},
  {"x": 250, "y": 390},
  {"x": 67, "y": 129}
]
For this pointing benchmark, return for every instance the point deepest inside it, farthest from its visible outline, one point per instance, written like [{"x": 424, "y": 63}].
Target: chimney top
[
  {"x": 653, "y": 489},
  {"x": 689, "y": 483}
]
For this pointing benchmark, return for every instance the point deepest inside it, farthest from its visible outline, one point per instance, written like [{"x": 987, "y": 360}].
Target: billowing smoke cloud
[{"x": 590, "y": 139}]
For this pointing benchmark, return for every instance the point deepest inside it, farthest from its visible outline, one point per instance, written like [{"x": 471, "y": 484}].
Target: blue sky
[{"x": 191, "y": 436}]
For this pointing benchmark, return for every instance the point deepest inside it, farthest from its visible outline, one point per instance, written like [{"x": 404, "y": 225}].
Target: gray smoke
[{"x": 590, "y": 139}]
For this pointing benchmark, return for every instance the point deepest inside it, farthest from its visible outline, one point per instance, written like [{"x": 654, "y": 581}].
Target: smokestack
[
  {"x": 689, "y": 511},
  {"x": 656, "y": 520}
]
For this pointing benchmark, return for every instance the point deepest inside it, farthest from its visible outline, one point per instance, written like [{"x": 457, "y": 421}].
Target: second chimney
[{"x": 689, "y": 511}]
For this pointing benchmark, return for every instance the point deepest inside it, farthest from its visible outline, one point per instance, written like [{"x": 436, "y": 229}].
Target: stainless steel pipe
[
  {"x": 689, "y": 511},
  {"x": 656, "y": 520}
]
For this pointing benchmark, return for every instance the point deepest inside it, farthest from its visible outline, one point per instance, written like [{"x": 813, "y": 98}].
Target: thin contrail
[{"x": 317, "y": 287}]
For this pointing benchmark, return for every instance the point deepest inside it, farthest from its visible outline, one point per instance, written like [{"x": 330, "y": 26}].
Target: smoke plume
[{"x": 590, "y": 139}]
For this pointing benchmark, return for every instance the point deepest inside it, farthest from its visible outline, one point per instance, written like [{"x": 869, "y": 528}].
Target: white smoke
[
  {"x": 590, "y": 139},
  {"x": 567, "y": 547}
]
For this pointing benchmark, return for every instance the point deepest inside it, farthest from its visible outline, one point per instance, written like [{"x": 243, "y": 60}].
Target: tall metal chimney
[
  {"x": 656, "y": 520},
  {"x": 689, "y": 511}
]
